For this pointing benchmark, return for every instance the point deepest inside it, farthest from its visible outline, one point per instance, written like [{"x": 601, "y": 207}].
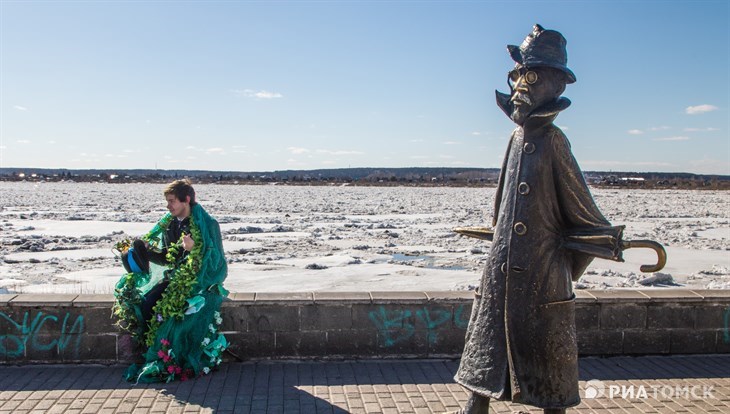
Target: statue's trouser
[{"x": 478, "y": 404}]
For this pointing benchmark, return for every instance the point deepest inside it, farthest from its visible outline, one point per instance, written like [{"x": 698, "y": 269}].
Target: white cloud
[
  {"x": 659, "y": 128},
  {"x": 51, "y": 142},
  {"x": 415, "y": 140},
  {"x": 191, "y": 147},
  {"x": 677, "y": 138},
  {"x": 23, "y": 141},
  {"x": 635, "y": 132},
  {"x": 563, "y": 127},
  {"x": 708, "y": 129},
  {"x": 297, "y": 150},
  {"x": 167, "y": 157},
  {"x": 451, "y": 142},
  {"x": 3, "y": 147},
  {"x": 476, "y": 133},
  {"x": 700, "y": 109},
  {"x": 215, "y": 150},
  {"x": 419, "y": 157},
  {"x": 262, "y": 94},
  {"x": 20, "y": 108}
]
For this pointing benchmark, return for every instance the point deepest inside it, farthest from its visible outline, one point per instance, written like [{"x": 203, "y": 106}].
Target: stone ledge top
[
  {"x": 5, "y": 298},
  {"x": 671, "y": 295},
  {"x": 291, "y": 298},
  {"x": 342, "y": 297},
  {"x": 450, "y": 296},
  {"x": 714, "y": 295},
  {"x": 398, "y": 297},
  {"x": 88, "y": 301},
  {"x": 44, "y": 299},
  {"x": 638, "y": 296},
  {"x": 617, "y": 296}
]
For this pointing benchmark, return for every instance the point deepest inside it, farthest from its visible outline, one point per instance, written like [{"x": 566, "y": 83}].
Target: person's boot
[{"x": 476, "y": 404}]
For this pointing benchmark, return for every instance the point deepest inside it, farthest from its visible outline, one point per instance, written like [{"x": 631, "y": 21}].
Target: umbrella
[{"x": 604, "y": 242}]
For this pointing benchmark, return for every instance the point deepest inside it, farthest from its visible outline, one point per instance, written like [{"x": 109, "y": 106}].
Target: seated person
[{"x": 175, "y": 311}]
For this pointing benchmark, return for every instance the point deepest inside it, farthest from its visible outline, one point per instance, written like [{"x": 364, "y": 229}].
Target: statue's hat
[{"x": 543, "y": 48}]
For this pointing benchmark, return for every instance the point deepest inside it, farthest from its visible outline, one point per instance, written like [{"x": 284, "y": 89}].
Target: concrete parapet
[{"x": 79, "y": 328}]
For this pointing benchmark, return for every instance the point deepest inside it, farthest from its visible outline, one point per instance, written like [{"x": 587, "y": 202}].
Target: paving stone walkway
[{"x": 653, "y": 384}]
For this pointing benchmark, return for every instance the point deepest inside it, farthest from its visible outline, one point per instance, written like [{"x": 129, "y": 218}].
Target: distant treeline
[{"x": 416, "y": 176}]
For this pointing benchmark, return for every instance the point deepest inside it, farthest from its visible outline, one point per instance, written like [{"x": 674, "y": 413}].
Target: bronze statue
[{"x": 521, "y": 341}]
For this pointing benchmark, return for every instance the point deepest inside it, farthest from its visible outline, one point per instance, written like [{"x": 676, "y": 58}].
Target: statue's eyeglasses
[{"x": 529, "y": 76}]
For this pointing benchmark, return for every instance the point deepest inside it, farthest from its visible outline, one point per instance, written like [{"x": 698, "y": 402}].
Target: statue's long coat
[{"x": 520, "y": 342}]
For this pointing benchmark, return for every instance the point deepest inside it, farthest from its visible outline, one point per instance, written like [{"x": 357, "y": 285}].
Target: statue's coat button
[
  {"x": 523, "y": 188},
  {"x": 520, "y": 228},
  {"x": 529, "y": 147}
]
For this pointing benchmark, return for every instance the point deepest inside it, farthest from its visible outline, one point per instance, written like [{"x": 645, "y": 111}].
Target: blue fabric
[{"x": 132, "y": 264}]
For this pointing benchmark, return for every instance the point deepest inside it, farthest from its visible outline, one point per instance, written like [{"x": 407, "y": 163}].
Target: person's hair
[{"x": 181, "y": 189}]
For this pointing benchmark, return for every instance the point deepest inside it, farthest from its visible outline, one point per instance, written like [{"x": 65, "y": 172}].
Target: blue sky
[{"x": 250, "y": 86}]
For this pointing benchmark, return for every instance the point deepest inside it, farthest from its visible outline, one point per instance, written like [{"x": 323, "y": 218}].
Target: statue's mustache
[{"x": 519, "y": 97}]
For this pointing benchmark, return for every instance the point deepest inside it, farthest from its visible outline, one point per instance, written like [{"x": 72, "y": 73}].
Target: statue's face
[{"x": 531, "y": 88}]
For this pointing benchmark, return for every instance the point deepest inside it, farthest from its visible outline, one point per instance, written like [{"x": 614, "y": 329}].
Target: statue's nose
[{"x": 521, "y": 84}]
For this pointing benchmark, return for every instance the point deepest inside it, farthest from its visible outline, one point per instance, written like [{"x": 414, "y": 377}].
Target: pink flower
[
  {"x": 165, "y": 342},
  {"x": 171, "y": 369},
  {"x": 166, "y": 358},
  {"x": 161, "y": 354},
  {"x": 178, "y": 370}
]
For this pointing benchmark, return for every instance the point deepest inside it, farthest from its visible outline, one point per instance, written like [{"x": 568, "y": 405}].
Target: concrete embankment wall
[{"x": 78, "y": 328}]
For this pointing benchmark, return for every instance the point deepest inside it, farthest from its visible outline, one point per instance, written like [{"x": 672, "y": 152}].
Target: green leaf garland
[{"x": 182, "y": 281}]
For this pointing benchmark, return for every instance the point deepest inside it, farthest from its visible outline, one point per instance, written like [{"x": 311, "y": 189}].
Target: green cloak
[{"x": 183, "y": 335}]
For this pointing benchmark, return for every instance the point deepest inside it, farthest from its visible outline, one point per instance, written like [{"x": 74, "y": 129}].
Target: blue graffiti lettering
[
  {"x": 395, "y": 326},
  {"x": 433, "y": 323},
  {"x": 459, "y": 320},
  {"x": 726, "y": 334},
  {"x": 13, "y": 344}
]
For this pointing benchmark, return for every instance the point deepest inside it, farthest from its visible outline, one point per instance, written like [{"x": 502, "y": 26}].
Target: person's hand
[{"x": 188, "y": 242}]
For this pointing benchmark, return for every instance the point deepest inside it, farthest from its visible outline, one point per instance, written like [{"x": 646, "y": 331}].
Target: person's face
[
  {"x": 531, "y": 88},
  {"x": 177, "y": 208}
]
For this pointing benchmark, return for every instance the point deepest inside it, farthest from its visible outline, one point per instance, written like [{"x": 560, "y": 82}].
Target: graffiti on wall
[
  {"x": 396, "y": 326},
  {"x": 726, "y": 335},
  {"x": 63, "y": 333}
]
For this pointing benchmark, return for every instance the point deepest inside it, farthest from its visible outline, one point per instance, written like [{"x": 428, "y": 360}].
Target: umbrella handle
[
  {"x": 651, "y": 244},
  {"x": 483, "y": 233}
]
